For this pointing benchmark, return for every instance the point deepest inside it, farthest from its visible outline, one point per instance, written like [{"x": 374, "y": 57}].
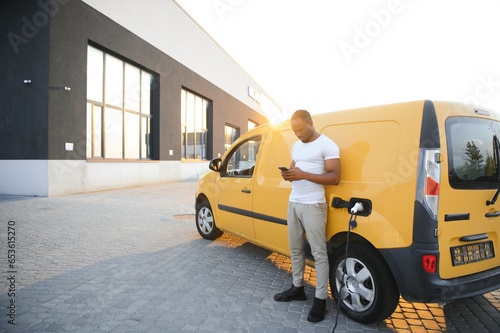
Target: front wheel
[
  {"x": 364, "y": 284},
  {"x": 205, "y": 222}
]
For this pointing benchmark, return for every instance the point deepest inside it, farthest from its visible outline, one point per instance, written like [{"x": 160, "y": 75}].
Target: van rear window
[{"x": 473, "y": 157}]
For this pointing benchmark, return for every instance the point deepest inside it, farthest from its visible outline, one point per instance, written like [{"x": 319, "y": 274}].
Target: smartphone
[{"x": 283, "y": 169}]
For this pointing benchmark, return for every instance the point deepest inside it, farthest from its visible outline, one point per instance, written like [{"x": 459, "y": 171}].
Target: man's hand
[
  {"x": 330, "y": 177},
  {"x": 293, "y": 174}
]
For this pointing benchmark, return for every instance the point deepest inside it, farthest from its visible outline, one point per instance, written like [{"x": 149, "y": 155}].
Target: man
[{"x": 315, "y": 162}]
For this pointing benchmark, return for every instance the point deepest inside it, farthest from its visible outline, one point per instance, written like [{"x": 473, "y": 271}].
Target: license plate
[{"x": 466, "y": 254}]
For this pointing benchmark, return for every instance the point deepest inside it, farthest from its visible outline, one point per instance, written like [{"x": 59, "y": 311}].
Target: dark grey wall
[
  {"x": 39, "y": 119},
  {"x": 24, "y": 54},
  {"x": 70, "y": 34}
]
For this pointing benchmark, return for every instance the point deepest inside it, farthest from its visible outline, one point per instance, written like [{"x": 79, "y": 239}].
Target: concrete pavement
[{"x": 131, "y": 260}]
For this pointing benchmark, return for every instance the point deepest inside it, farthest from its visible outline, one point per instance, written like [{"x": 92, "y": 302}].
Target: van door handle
[
  {"x": 473, "y": 238},
  {"x": 245, "y": 190},
  {"x": 494, "y": 214}
]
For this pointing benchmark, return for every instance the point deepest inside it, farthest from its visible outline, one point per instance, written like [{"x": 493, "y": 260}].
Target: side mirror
[{"x": 215, "y": 164}]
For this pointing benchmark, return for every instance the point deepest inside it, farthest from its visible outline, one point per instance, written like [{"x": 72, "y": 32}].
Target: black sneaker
[
  {"x": 318, "y": 310},
  {"x": 292, "y": 294}
]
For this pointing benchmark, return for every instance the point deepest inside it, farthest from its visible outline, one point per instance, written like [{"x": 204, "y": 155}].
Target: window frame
[
  {"x": 230, "y": 138},
  {"x": 234, "y": 166},
  {"x": 194, "y": 106},
  {"x": 251, "y": 125},
  {"x": 142, "y": 95}
]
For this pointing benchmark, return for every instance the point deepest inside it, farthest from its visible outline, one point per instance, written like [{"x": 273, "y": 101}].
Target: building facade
[{"x": 99, "y": 95}]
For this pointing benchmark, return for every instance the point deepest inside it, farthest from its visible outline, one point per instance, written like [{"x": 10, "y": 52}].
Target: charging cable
[{"x": 358, "y": 207}]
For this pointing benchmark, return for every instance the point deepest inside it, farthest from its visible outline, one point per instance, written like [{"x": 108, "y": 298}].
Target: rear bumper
[{"x": 416, "y": 285}]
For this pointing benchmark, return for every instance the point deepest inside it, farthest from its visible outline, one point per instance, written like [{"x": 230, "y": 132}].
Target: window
[
  {"x": 473, "y": 152},
  {"x": 241, "y": 161},
  {"x": 118, "y": 108},
  {"x": 194, "y": 132},
  {"x": 231, "y": 133},
  {"x": 252, "y": 125}
]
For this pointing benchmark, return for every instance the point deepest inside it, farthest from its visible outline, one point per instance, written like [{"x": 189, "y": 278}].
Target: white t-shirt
[{"x": 310, "y": 157}]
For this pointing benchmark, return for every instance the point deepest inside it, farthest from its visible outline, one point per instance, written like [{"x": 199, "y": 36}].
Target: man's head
[{"x": 302, "y": 125}]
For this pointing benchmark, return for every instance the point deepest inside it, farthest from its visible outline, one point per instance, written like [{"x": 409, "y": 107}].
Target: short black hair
[{"x": 302, "y": 114}]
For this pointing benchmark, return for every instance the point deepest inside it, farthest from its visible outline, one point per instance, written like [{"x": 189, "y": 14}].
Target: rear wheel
[
  {"x": 205, "y": 222},
  {"x": 364, "y": 284}
]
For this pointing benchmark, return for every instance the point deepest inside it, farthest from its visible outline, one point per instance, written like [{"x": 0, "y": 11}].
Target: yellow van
[{"x": 428, "y": 177}]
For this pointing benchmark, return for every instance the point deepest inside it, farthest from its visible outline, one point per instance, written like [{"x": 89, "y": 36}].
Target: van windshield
[{"x": 473, "y": 157}]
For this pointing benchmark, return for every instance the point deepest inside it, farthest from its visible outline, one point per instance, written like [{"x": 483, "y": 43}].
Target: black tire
[
  {"x": 205, "y": 222},
  {"x": 367, "y": 288}
]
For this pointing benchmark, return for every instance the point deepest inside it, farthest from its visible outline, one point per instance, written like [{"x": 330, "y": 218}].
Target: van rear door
[{"x": 469, "y": 218}]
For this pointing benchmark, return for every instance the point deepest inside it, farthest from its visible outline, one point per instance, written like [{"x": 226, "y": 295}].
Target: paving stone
[{"x": 132, "y": 261}]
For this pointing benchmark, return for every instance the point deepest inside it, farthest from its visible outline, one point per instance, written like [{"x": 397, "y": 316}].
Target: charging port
[{"x": 360, "y": 206}]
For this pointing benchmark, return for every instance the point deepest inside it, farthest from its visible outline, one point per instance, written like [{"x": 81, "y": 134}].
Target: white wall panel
[{"x": 24, "y": 177}]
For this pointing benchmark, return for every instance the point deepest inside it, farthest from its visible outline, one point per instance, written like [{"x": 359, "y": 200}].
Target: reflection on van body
[{"x": 428, "y": 174}]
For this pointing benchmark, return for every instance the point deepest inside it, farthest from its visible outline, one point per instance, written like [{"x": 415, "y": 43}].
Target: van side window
[{"x": 241, "y": 161}]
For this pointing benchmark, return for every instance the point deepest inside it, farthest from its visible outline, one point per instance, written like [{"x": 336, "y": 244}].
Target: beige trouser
[{"x": 308, "y": 219}]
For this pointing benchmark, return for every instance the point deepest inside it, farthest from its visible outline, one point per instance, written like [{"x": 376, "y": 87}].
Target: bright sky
[{"x": 326, "y": 55}]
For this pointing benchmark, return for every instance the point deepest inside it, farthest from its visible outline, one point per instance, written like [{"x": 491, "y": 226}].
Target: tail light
[
  {"x": 429, "y": 263},
  {"x": 429, "y": 177}
]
